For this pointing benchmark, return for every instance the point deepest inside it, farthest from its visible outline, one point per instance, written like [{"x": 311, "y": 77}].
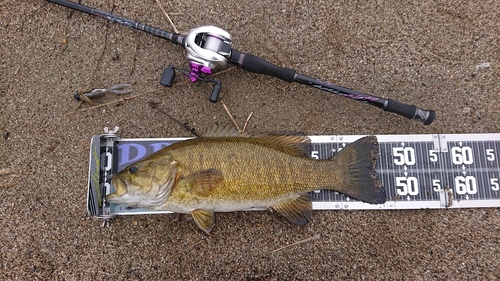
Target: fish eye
[{"x": 133, "y": 169}]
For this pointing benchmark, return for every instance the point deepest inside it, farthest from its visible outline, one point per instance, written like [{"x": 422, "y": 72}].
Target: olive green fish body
[
  {"x": 252, "y": 172},
  {"x": 229, "y": 171}
]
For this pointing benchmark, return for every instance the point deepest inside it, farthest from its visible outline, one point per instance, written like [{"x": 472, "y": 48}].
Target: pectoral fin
[
  {"x": 203, "y": 181},
  {"x": 204, "y": 219},
  {"x": 298, "y": 211}
]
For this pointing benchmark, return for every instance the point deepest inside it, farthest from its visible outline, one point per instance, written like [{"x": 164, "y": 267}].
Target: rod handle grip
[
  {"x": 257, "y": 65},
  {"x": 410, "y": 111}
]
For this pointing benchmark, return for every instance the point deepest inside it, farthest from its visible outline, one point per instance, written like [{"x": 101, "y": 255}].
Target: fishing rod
[{"x": 209, "y": 47}]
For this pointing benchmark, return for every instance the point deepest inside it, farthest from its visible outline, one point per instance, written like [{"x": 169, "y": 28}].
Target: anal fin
[
  {"x": 298, "y": 211},
  {"x": 204, "y": 219}
]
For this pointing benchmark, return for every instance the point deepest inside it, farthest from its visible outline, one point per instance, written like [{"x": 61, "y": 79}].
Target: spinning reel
[{"x": 207, "y": 47}]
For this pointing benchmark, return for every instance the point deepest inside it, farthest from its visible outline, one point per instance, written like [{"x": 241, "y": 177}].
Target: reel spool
[{"x": 207, "y": 48}]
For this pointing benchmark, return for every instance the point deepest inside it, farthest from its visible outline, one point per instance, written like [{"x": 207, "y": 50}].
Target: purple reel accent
[{"x": 197, "y": 69}]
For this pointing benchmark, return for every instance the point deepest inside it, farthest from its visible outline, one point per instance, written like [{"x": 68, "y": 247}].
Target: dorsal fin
[
  {"x": 224, "y": 131},
  {"x": 286, "y": 138},
  {"x": 293, "y": 142}
]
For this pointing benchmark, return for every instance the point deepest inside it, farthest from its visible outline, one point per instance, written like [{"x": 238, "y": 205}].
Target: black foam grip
[
  {"x": 257, "y": 65},
  {"x": 410, "y": 111}
]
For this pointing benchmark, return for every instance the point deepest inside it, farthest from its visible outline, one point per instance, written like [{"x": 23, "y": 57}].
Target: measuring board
[{"x": 418, "y": 171}]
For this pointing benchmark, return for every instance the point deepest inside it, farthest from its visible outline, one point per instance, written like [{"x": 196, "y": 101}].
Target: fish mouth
[{"x": 120, "y": 188}]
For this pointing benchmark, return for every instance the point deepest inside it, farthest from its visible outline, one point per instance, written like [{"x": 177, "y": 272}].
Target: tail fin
[{"x": 361, "y": 181}]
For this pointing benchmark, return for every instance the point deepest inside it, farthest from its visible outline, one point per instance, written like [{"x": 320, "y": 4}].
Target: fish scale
[
  {"x": 236, "y": 171},
  {"x": 279, "y": 168}
]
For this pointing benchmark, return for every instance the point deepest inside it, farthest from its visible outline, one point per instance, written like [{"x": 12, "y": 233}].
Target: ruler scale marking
[{"x": 417, "y": 170}]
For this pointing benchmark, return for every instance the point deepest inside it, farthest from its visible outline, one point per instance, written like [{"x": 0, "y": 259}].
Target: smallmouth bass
[{"x": 226, "y": 171}]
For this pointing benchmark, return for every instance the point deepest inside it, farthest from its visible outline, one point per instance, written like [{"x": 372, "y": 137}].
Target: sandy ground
[{"x": 419, "y": 52}]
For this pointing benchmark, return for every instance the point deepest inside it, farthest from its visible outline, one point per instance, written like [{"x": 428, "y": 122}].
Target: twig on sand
[
  {"x": 195, "y": 21},
  {"x": 154, "y": 105},
  {"x": 168, "y": 18},
  {"x": 7, "y": 171},
  {"x": 294, "y": 244},
  {"x": 292, "y": 14},
  {"x": 7, "y": 185},
  {"x": 10, "y": 183},
  {"x": 246, "y": 122},
  {"x": 230, "y": 116},
  {"x": 115, "y": 101},
  {"x": 225, "y": 70},
  {"x": 134, "y": 58}
]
